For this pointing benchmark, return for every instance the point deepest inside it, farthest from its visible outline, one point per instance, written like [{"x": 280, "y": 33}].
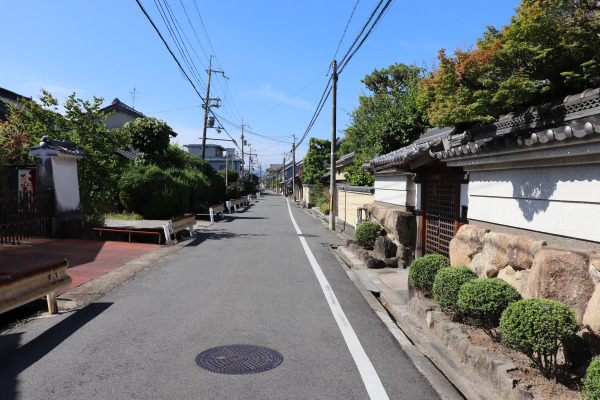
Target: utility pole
[
  {"x": 283, "y": 175},
  {"x": 207, "y": 104},
  {"x": 332, "y": 195},
  {"x": 243, "y": 145},
  {"x": 294, "y": 168}
]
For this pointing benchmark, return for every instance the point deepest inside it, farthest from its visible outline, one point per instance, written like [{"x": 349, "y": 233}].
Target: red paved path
[{"x": 88, "y": 259}]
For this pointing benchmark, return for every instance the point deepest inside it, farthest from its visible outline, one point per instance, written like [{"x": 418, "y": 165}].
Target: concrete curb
[{"x": 476, "y": 372}]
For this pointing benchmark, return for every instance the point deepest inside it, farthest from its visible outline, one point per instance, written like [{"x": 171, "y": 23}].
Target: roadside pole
[
  {"x": 332, "y": 195},
  {"x": 294, "y": 169}
]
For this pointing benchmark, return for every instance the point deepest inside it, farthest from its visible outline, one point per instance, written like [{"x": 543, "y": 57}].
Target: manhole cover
[{"x": 239, "y": 359}]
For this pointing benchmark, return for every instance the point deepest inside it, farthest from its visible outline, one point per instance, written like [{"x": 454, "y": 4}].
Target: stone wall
[
  {"x": 570, "y": 276},
  {"x": 400, "y": 227}
]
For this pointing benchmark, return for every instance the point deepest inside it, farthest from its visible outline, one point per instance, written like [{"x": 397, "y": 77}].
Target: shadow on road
[
  {"x": 16, "y": 359},
  {"x": 218, "y": 235}
]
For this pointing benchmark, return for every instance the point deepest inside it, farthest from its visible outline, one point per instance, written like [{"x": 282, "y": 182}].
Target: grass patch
[{"x": 124, "y": 216}]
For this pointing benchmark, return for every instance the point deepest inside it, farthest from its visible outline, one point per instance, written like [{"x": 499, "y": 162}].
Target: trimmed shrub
[
  {"x": 446, "y": 285},
  {"x": 423, "y": 270},
  {"x": 158, "y": 194},
  {"x": 537, "y": 328},
  {"x": 482, "y": 301},
  {"x": 232, "y": 192},
  {"x": 591, "y": 384},
  {"x": 366, "y": 234}
]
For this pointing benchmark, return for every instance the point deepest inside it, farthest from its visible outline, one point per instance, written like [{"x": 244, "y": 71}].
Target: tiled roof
[
  {"x": 421, "y": 149},
  {"x": 576, "y": 118},
  {"x": 52, "y": 144},
  {"x": 128, "y": 154},
  {"x": 8, "y": 97},
  {"x": 120, "y": 106}
]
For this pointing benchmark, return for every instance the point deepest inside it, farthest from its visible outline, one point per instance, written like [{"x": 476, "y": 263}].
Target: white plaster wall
[
  {"x": 395, "y": 189},
  {"x": 464, "y": 194},
  {"x": 66, "y": 184},
  {"x": 563, "y": 201},
  {"x": 118, "y": 119}
]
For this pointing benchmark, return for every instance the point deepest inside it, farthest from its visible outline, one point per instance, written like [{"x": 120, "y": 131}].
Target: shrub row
[
  {"x": 536, "y": 327},
  {"x": 155, "y": 193}
]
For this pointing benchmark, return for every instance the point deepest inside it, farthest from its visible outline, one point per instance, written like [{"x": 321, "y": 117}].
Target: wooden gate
[
  {"x": 441, "y": 213},
  {"x": 25, "y": 214}
]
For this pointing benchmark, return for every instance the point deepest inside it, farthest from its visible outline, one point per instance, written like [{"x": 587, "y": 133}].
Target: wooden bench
[
  {"x": 218, "y": 209},
  {"x": 177, "y": 224},
  {"x": 21, "y": 285},
  {"x": 236, "y": 202}
]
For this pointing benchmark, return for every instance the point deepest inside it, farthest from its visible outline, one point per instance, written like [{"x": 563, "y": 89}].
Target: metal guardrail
[{"x": 25, "y": 214}]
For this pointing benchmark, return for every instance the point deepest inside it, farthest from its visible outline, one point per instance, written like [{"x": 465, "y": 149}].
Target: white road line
[{"x": 367, "y": 371}]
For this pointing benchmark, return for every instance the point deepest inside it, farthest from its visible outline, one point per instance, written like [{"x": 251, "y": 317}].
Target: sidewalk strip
[{"x": 367, "y": 371}]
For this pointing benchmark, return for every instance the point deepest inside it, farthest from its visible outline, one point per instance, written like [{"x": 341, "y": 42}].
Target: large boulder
[
  {"x": 562, "y": 275},
  {"x": 478, "y": 265},
  {"x": 384, "y": 248},
  {"x": 495, "y": 249},
  {"x": 401, "y": 227},
  {"x": 374, "y": 263},
  {"x": 594, "y": 269},
  {"x": 591, "y": 317},
  {"x": 467, "y": 242},
  {"x": 376, "y": 212},
  {"x": 517, "y": 278},
  {"x": 521, "y": 251}
]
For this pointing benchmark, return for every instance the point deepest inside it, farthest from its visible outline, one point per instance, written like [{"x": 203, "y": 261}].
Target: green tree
[
  {"x": 232, "y": 175},
  {"x": 550, "y": 49},
  {"x": 390, "y": 117},
  {"x": 315, "y": 160},
  {"x": 151, "y": 137},
  {"x": 355, "y": 175},
  {"x": 83, "y": 124}
]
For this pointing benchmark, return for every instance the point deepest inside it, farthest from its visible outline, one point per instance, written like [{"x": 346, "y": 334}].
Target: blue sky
[{"x": 275, "y": 53}]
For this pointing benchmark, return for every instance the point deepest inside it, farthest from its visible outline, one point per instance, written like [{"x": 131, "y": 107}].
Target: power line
[
  {"x": 168, "y": 48},
  {"x": 344, "y": 34}
]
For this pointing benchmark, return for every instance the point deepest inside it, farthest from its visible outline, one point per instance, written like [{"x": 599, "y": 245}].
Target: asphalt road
[{"x": 246, "y": 280}]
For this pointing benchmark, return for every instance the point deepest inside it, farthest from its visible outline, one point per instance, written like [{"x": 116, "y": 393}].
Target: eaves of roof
[
  {"x": 576, "y": 118},
  {"x": 118, "y": 105},
  {"x": 420, "y": 152}
]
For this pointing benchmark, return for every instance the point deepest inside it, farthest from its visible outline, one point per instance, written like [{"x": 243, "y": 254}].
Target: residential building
[
  {"x": 218, "y": 156},
  {"x": 121, "y": 114},
  {"x": 7, "y": 97}
]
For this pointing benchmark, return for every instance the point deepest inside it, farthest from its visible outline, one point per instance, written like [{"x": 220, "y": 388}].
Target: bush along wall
[
  {"x": 155, "y": 193},
  {"x": 538, "y": 328},
  {"x": 424, "y": 269},
  {"x": 446, "y": 285}
]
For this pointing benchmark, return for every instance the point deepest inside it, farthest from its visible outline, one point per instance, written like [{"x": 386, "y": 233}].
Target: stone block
[
  {"x": 401, "y": 226},
  {"x": 495, "y": 252},
  {"x": 594, "y": 269},
  {"x": 562, "y": 275},
  {"x": 467, "y": 242},
  {"x": 478, "y": 265},
  {"x": 384, "y": 248},
  {"x": 521, "y": 251},
  {"x": 591, "y": 317},
  {"x": 519, "y": 279},
  {"x": 391, "y": 262},
  {"x": 374, "y": 263}
]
